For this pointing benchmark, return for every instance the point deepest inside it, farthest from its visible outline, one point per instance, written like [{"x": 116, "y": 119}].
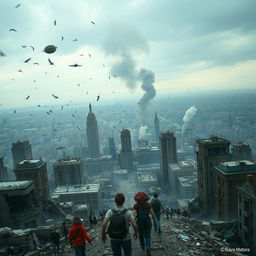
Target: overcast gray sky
[{"x": 189, "y": 46}]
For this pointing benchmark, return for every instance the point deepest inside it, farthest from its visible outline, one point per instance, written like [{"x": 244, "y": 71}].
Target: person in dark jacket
[
  {"x": 142, "y": 209},
  {"x": 55, "y": 240},
  {"x": 64, "y": 231},
  {"x": 77, "y": 236}
]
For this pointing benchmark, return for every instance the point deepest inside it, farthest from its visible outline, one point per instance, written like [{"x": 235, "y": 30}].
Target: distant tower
[
  {"x": 34, "y": 170},
  {"x": 211, "y": 152},
  {"x": 126, "y": 159},
  {"x": 112, "y": 148},
  {"x": 168, "y": 153},
  {"x": 92, "y": 134},
  {"x": 68, "y": 171},
  {"x": 21, "y": 150},
  {"x": 157, "y": 128},
  {"x": 3, "y": 170},
  {"x": 241, "y": 151}
]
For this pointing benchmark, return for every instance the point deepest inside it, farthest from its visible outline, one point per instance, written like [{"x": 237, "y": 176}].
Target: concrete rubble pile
[{"x": 188, "y": 237}]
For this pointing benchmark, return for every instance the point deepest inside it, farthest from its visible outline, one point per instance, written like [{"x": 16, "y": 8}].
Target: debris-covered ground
[{"x": 180, "y": 236}]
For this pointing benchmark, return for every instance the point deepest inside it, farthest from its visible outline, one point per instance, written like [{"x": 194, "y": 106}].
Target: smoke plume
[
  {"x": 125, "y": 42},
  {"x": 142, "y": 131},
  {"x": 189, "y": 115}
]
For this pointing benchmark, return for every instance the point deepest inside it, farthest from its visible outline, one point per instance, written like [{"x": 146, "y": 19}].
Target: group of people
[
  {"x": 119, "y": 219},
  {"x": 116, "y": 225}
]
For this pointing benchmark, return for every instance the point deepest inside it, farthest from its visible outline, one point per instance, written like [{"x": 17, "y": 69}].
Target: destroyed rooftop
[
  {"x": 68, "y": 161},
  {"x": 14, "y": 185},
  {"x": 146, "y": 176},
  {"x": 183, "y": 164},
  {"x": 213, "y": 140},
  {"x": 29, "y": 164},
  {"x": 237, "y": 167},
  {"x": 76, "y": 189}
]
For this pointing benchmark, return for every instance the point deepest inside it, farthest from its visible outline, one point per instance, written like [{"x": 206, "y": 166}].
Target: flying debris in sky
[
  {"x": 55, "y": 22},
  {"x": 50, "y": 49},
  {"x": 93, "y": 22},
  {"x": 61, "y": 107},
  {"x": 114, "y": 75},
  {"x": 78, "y": 85},
  {"x": 20, "y": 70},
  {"x": 78, "y": 127},
  {"x": 23, "y": 46},
  {"x": 27, "y": 97},
  {"x": 62, "y": 147},
  {"x": 108, "y": 77},
  {"x": 2, "y": 54},
  {"x": 75, "y": 65},
  {"x": 27, "y": 60},
  {"x": 50, "y": 62},
  {"x": 89, "y": 55},
  {"x": 75, "y": 40},
  {"x": 14, "y": 111},
  {"x": 73, "y": 115},
  {"x": 50, "y": 110},
  {"x": 32, "y": 47},
  {"x": 13, "y": 29},
  {"x": 18, "y": 5},
  {"x": 62, "y": 37},
  {"x": 39, "y": 105},
  {"x": 47, "y": 112},
  {"x": 56, "y": 97},
  {"x": 98, "y": 97},
  {"x": 36, "y": 63}
]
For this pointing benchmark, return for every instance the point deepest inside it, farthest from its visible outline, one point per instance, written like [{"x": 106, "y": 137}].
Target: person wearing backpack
[
  {"x": 119, "y": 219},
  {"x": 157, "y": 207},
  {"x": 77, "y": 236},
  {"x": 142, "y": 209}
]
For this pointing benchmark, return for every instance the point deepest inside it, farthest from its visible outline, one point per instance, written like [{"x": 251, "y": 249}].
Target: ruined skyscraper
[
  {"x": 157, "y": 128},
  {"x": 168, "y": 153},
  {"x": 34, "y": 170},
  {"x": 112, "y": 148},
  {"x": 126, "y": 158},
  {"x": 21, "y": 150},
  {"x": 241, "y": 151},
  {"x": 68, "y": 171},
  {"x": 92, "y": 134},
  {"x": 211, "y": 152}
]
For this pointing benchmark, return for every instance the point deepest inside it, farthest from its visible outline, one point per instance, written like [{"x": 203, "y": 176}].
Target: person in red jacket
[{"x": 77, "y": 236}]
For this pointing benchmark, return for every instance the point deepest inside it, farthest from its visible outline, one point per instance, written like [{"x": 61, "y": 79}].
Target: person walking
[
  {"x": 142, "y": 209},
  {"x": 64, "y": 231},
  {"x": 119, "y": 220},
  {"x": 157, "y": 207},
  {"x": 55, "y": 240},
  {"x": 77, "y": 236}
]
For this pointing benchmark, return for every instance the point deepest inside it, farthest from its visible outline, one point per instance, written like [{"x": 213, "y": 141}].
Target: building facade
[
  {"x": 126, "y": 157},
  {"x": 68, "y": 171},
  {"x": 35, "y": 170},
  {"x": 107, "y": 164},
  {"x": 241, "y": 151},
  {"x": 168, "y": 154},
  {"x": 157, "y": 128},
  {"x": 21, "y": 150},
  {"x": 80, "y": 194},
  {"x": 210, "y": 153},
  {"x": 18, "y": 204},
  {"x": 3, "y": 170},
  {"x": 92, "y": 134},
  {"x": 247, "y": 213},
  {"x": 229, "y": 175}
]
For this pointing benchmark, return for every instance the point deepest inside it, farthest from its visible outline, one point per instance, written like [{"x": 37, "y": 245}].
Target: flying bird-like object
[
  {"x": 27, "y": 60},
  {"x": 50, "y": 62},
  {"x": 75, "y": 40},
  {"x": 62, "y": 37},
  {"x": 50, "y": 49},
  {"x": 18, "y": 5},
  {"x": 23, "y": 46},
  {"x": 27, "y": 97},
  {"x": 2, "y": 54},
  {"x": 55, "y": 22},
  {"x": 98, "y": 97},
  {"x": 20, "y": 70},
  {"x": 13, "y": 29},
  {"x": 36, "y": 63},
  {"x": 56, "y": 97},
  {"x": 32, "y": 47},
  {"x": 93, "y": 22},
  {"x": 75, "y": 65}
]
